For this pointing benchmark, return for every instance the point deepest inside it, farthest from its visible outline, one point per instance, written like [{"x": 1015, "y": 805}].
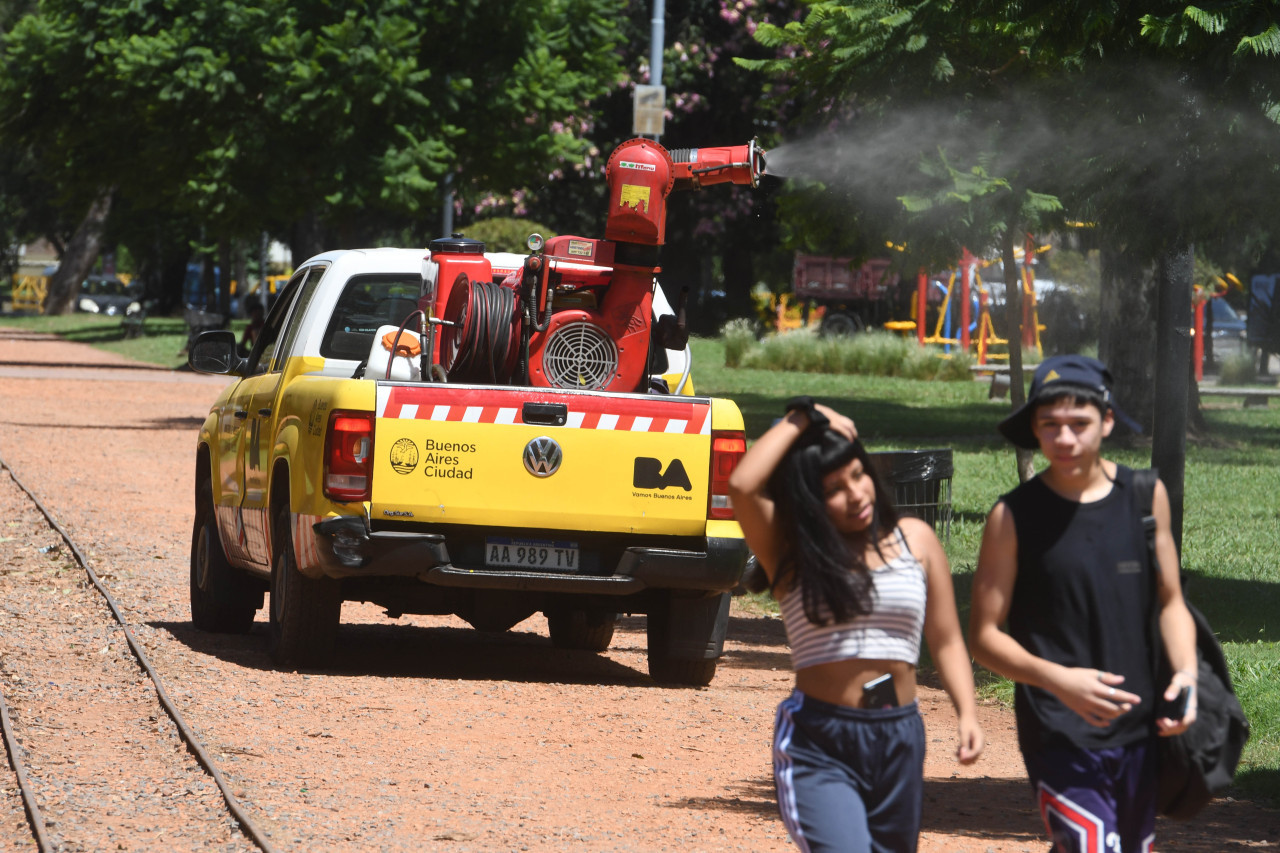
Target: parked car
[
  {"x": 1228, "y": 330},
  {"x": 105, "y": 294}
]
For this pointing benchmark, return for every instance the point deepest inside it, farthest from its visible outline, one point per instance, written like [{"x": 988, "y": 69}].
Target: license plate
[{"x": 540, "y": 554}]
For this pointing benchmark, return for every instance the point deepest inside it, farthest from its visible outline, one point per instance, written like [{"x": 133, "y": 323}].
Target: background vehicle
[
  {"x": 1228, "y": 331},
  {"x": 100, "y": 294},
  {"x": 854, "y": 297}
]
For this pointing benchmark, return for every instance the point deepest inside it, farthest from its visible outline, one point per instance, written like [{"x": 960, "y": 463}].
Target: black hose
[
  {"x": 485, "y": 342},
  {"x": 395, "y": 345},
  {"x": 526, "y": 332}
]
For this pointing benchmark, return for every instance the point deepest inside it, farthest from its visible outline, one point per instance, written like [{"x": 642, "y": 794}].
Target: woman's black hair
[{"x": 834, "y": 579}]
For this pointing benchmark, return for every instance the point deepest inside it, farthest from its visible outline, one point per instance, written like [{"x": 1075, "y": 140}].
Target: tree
[
  {"x": 326, "y": 122},
  {"x": 1134, "y": 122}
]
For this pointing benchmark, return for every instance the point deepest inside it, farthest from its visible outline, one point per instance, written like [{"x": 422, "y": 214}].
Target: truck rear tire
[
  {"x": 693, "y": 673},
  {"x": 840, "y": 323},
  {"x": 223, "y": 599},
  {"x": 586, "y": 630},
  {"x": 305, "y": 612},
  {"x": 686, "y": 638}
]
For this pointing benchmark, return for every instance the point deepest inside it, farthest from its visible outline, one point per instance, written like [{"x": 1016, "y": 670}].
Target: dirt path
[{"x": 428, "y": 733}]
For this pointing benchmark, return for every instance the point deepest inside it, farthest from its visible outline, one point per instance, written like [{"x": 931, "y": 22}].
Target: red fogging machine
[{"x": 577, "y": 312}]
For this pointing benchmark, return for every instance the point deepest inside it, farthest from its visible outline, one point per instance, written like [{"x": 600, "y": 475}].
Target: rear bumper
[{"x": 348, "y": 549}]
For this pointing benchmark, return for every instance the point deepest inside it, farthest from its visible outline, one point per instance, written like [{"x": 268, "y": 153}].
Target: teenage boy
[{"x": 1063, "y": 561}]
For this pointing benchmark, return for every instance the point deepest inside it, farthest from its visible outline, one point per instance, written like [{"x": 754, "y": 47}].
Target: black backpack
[{"x": 1202, "y": 761}]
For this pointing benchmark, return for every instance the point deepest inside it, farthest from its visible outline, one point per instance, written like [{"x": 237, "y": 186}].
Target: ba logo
[{"x": 649, "y": 474}]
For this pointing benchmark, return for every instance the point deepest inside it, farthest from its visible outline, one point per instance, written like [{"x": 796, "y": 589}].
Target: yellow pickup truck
[{"x": 327, "y": 471}]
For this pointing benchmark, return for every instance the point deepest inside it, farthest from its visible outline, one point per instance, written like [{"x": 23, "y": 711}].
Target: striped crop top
[{"x": 891, "y": 631}]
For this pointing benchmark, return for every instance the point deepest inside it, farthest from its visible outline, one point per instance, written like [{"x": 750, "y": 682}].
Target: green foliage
[
  {"x": 1080, "y": 270},
  {"x": 504, "y": 234},
  {"x": 251, "y": 117},
  {"x": 1238, "y": 370},
  {"x": 738, "y": 336},
  {"x": 873, "y": 352},
  {"x": 1253, "y": 33},
  {"x": 1265, "y": 43}
]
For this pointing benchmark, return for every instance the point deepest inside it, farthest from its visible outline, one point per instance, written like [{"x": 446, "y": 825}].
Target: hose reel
[{"x": 481, "y": 342}]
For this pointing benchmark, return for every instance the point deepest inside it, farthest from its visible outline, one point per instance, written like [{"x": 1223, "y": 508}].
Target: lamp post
[{"x": 650, "y": 101}]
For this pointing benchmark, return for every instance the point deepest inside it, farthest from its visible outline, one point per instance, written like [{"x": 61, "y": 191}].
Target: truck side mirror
[{"x": 215, "y": 352}]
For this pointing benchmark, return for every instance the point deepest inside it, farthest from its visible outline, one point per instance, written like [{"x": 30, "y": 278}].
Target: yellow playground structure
[{"x": 29, "y": 292}]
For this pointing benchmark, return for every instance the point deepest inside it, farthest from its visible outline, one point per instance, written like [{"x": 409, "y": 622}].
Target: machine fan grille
[{"x": 580, "y": 355}]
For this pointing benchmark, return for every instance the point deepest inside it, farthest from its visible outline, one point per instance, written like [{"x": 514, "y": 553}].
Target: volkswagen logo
[{"x": 542, "y": 456}]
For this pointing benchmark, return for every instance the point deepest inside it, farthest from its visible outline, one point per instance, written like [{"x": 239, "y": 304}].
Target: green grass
[
  {"x": 1231, "y": 526},
  {"x": 162, "y": 340}
]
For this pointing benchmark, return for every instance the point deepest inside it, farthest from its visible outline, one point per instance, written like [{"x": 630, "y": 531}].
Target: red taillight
[
  {"x": 727, "y": 448},
  {"x": 348, "y": 457}
]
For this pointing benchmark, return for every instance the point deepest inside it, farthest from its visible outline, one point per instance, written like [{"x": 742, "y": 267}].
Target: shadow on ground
[
  {"x": 1003, "y": 813},
  {"x": 409, "y": 651}
]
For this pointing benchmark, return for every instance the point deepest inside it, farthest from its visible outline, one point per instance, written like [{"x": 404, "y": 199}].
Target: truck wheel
[
  {"x": 223, "y": 599},
  {"x": 305, "y": 612},
  {"x": 840, "y": 323},
  {"x": 588, "y": 630},
  {"x": 695, "y": 673},
  {"x": 686, "y": 637}
]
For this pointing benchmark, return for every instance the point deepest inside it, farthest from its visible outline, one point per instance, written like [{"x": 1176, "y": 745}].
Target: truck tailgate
[{"x": 624, "y": 463}]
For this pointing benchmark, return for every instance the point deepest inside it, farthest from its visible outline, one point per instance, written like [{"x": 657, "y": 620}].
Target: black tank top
[{"x": 1083, "y": 597}]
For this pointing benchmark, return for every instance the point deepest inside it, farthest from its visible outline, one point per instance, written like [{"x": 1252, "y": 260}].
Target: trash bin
[{"x": 921, "y": 483}]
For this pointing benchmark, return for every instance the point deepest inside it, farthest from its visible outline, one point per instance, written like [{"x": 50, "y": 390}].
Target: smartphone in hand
[
  {"x": 1176, "y": 708},
  {"x": 880, "y": 693}
]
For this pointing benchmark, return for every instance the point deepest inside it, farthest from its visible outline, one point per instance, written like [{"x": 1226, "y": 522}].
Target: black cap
[
  {"x": 456, "y": 244},
  {"x": 1061, "y": 373}
]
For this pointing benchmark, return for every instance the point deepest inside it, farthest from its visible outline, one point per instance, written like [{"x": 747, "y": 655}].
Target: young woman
[{"x": 857, "y": 587}]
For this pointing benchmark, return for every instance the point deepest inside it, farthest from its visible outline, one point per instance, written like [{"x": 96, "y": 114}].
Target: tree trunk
[
  {"x": 1197, "y": 425},
  {"x": 739, "y": 278},
  {"x": 1127, "y": 338},
  {"x": 1173, "y": 361},
  {"x": 208, "y": 283},
  {"x": 307, "y": 239},
  {"x": 78, "y": 258},
  {"x": 240, "y": 274},
  {"x": 1013, "y": 333},
  {"x": 224, "y": 280}
]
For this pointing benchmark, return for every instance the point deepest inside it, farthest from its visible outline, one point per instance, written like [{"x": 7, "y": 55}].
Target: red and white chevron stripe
[{"x": 585, "y": 411}]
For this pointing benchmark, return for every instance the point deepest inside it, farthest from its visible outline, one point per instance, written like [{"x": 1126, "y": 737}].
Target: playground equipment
[
  {"x": 975, "y": 299},
  {"x": 853, "y": 298},
  {"x": 29, "y": 292}
]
